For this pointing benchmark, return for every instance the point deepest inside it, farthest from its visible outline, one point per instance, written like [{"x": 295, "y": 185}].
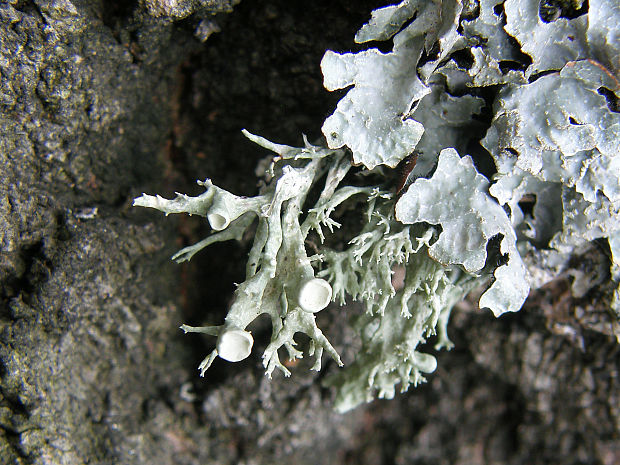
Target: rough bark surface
[{"x": 102, "y": 100}]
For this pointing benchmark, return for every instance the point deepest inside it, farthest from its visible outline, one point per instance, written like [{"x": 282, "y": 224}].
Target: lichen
[{"x": 552, "y": 133}]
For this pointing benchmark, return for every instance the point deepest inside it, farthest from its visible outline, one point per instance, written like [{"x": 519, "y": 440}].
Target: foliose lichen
[{"x": 554, "y": 134}]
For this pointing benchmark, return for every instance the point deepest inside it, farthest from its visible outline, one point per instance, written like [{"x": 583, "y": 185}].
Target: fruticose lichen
[{"x": 548, "y": 83}]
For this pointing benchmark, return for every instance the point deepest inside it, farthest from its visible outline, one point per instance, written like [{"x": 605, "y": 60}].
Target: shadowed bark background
[{"x": 102, "y": 100}]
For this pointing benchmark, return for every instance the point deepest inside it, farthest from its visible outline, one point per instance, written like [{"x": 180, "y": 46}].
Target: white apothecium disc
[
  {"x": 314, "y": 295},
  {"x": 234, "y": 345}
]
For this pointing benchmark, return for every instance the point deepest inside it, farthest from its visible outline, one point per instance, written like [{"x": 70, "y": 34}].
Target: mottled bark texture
[{"x": 102, "y": 100}]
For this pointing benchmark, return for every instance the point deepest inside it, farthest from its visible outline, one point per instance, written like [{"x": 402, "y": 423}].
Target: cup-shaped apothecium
[
  {"x": 225, "y": 209},
  {"x": 218, "y": 221},
  {"x": 426, "y": 363},
  {"x": 234, "y": 344},
  {"x": 314, "y": 295},
  {"x": 222, "y": 211}
]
